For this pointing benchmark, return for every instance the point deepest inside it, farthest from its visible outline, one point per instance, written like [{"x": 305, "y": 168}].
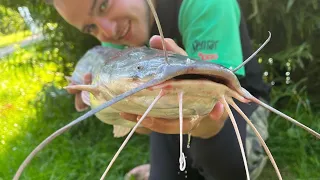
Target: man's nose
[{"x": 107, "y": 28}]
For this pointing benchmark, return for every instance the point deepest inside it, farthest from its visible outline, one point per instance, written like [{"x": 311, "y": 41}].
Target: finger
[
  {"x": 166, "y": 126},
  {"x": 218, "y": 113},
  {"x": 155, "y": 42},
  {"x": 72, "y": 91},
  {"x": 128, "y": 116},
  {"x": 143, "y": 130},
  {"x": 79, "y": 104},
  {"x": 87, "y": 79}
]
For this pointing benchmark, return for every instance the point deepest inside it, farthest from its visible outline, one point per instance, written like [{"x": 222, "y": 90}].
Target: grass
[
  {"x": 29, "y": 114},
  {"x": 33, "y": 105},
  {"x": 295, "y": 151},
  {"x": 7, "y": 40}
]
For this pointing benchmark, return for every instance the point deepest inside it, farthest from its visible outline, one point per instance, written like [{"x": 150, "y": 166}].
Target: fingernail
[{"x": 81, "y": 109}]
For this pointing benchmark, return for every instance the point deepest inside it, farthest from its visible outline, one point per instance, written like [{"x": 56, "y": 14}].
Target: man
[{"x": 209, "y": 30}]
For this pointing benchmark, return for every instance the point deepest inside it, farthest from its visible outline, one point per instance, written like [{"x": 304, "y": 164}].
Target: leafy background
[{"x": 33, "y": 103}]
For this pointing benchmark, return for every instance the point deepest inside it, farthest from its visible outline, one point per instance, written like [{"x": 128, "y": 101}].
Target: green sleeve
[
  {"x": 105, "y": 44},
  {"x": 210, "y": 31}
]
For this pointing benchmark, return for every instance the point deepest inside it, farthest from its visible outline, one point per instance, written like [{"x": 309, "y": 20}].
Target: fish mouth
[
  {"x": 196, "y": 78},
  {"x": 215, "y": 79}
]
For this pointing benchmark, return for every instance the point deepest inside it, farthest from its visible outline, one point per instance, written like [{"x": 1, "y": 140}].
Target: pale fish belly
[
  {"x": 108, "y": 115},
  {"x": 198, "y": 100}
]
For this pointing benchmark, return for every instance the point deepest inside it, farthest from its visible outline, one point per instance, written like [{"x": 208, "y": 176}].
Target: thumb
[
  {"x": 87, "y": 78},
  {"x": 217, "y": 112},
  {"x": 155, "y": 42}
]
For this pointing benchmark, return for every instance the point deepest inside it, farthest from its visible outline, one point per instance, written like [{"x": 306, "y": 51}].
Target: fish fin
[{"x": 120, "y": 131}]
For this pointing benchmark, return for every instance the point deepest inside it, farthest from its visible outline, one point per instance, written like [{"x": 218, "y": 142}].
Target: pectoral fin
[{"x": 120, "y": 131}]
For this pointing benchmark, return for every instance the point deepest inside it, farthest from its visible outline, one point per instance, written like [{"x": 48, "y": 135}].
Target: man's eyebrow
[
  {"x": 92, "y": 7},
  {"x": 94, "y": 2}
]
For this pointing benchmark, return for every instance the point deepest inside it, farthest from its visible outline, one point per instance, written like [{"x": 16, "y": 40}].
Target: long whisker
[
  {"x": 286, "y": 117},
  {"x": 131, "y": 133},
  {"x": 264, "y": 145},
  {"x": 78, "y": 120},
  {"x": 182, "y": 159},
  {"x": 159, "y": 29},
  {"x": 252, "y": 55},
  {"x": 224, "y": 102}
]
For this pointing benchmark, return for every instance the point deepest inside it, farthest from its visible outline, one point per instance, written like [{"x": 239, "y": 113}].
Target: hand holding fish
[
  {"x": 208, "y": 126},
  {"x": 80, "y": 105}
]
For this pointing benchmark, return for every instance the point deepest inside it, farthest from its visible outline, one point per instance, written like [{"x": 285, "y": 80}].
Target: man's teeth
[{"x": 125, "y": 32}]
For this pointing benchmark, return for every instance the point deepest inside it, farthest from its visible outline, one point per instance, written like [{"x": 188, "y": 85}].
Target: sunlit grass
[
  {"x": 296, "y": 152},
  {"x": 29, "y": 116},
  {"x": 33, "y": 105},
  {"x": 21, "y": 80},
  {"x": 13, "y": 38}
]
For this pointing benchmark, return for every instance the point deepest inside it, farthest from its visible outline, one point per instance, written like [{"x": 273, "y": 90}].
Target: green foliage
[
  {"x": 69, "y": 41},
  {"x": 295, "y": 28},
  {"x": 10, "y": 21},
  {"x": 33, "y": 105},
  {"x": 291, "y": 62},
  {"x": 7, "y": 40}
]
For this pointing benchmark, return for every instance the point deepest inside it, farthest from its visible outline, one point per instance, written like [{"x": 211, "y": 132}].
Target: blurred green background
[{"x": 37, "y": 49}]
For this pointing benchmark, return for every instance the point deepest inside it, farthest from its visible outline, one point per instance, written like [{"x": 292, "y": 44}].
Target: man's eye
[{"x": 103, "y": 5}]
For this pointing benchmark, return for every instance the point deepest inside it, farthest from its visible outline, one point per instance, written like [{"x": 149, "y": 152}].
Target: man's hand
[
  {"x": 208, "y": 126},
  {"x": 79, "y": 104}
]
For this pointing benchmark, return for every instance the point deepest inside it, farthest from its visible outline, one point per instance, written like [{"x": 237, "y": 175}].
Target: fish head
[
  {"x": 130, "y": 69},
  {"x": 91, "y": 62}
]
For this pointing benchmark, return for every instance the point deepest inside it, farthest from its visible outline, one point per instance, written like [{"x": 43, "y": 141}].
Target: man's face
[{"x": 124, "y": 22}]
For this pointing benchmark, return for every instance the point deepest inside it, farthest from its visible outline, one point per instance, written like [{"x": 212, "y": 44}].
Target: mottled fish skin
[
  {"x": 92, "y": 62},
  {"x": 115, "y": 72}
]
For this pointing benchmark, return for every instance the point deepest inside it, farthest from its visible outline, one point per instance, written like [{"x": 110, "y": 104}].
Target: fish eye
[{"x": 139, "y": 67}]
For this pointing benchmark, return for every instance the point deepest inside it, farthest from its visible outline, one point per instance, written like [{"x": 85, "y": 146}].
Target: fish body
[{"x": 115, "y": 72}]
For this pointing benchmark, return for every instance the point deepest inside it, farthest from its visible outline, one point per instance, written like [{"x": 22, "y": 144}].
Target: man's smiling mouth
[{"x": 125, "y": 32}]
